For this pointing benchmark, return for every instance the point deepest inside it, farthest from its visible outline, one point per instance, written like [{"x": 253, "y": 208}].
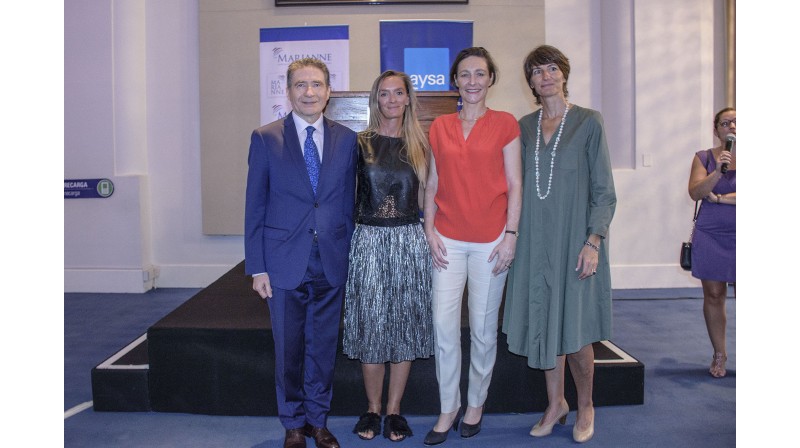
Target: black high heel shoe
[
  {"x": 469, "y": 430},
  {"x": 435, "y": 437}
]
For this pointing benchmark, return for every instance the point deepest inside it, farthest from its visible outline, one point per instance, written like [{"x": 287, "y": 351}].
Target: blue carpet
[{"x": 684, "y": 406}]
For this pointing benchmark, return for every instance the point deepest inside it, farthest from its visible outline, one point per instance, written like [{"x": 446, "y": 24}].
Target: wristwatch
[{"x": 513, "y": 232}]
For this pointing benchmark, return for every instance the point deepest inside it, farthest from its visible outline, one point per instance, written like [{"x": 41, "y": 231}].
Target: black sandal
[
  {"x": 369, "y": 421},
  {"x": 396, "y": 424}
]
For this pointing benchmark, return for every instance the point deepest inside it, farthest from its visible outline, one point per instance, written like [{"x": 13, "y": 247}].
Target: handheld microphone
[{"x": 730, "y": 139}]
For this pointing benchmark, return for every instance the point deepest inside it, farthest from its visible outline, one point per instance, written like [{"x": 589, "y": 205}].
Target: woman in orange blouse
[{"x": 472, "y": 207}]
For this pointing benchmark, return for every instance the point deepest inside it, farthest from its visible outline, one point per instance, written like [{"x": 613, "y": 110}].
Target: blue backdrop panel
[{"x": 423, "y": 49}]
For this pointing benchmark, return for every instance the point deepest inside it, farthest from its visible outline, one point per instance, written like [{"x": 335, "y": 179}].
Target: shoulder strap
[
  {"x": 708, "y": 155},
  {"x": 694, "y": 219}
]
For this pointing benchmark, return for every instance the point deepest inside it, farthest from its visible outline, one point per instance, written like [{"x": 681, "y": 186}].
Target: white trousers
[{"x": 468, "y": 265}]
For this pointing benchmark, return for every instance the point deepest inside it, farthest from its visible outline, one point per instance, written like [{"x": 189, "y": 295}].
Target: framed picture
[{"x": 367, "y": 2}]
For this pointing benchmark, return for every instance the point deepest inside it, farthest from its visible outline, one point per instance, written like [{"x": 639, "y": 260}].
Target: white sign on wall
[{"x": 280, "y": 47}]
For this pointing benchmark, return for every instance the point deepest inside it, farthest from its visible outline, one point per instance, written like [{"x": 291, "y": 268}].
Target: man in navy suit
[{"x": 298, "y": 225}]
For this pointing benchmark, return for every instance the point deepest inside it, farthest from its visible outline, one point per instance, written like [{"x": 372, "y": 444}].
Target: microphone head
[{"x": 730, "y": 137}]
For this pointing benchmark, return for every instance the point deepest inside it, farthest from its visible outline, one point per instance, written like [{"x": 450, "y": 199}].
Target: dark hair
[
  {"x": 543, "y": 55},
  {"x": 307, "y": 62},
  {"x": 719, "y": 115},
  {"x": 474, "y": 51}
]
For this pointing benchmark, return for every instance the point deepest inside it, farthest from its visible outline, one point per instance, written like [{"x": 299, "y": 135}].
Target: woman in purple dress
[{"x": 713, "y": 181}]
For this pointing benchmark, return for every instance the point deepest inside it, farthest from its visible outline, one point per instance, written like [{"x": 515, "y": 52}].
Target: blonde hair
[{"x": 416, "y": 149}]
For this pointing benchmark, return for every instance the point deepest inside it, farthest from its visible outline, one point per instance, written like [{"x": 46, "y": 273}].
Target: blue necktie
[{"x": 311, "y": 155}]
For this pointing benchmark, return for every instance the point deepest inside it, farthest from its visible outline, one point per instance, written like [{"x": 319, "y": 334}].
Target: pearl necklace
[{"x": 552, "y": 153}]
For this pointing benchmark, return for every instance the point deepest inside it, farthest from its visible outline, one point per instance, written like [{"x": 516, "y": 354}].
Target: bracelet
[
  {"x": 719, "y": 199},
  {"x": 513, "y": 232},
  {"x": 589, "y": 243}
]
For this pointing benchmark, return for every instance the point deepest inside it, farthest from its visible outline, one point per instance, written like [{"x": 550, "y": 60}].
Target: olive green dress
[{"x": 548, "y": 311}]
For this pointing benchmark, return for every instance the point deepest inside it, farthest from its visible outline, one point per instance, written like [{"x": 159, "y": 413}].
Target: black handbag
[
  {"x": 686, "y": 256},
  {"x": 686, "y": 247}
]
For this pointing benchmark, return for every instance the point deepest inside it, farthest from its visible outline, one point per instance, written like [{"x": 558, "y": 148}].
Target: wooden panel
[{"x": 352, "y": 108}]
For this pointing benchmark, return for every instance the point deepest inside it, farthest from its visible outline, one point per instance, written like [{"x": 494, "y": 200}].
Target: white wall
[
  {"x": 655, "y": 87},
  {"x": 151, "y": 226},
  {"x": 132, "y": 114},
  {"x": 107, "y": 244}
]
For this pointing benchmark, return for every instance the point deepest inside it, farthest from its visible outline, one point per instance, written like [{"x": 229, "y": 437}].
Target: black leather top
[{"x": 387, "y": 188}]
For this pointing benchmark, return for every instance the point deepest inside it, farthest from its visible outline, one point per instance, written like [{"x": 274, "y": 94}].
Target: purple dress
[{"x": 714, "y": 240}]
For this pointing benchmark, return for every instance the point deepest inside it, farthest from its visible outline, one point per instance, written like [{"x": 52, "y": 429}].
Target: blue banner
[
  {"x": 425, "y": 50},
  {"x": 87, "y": 188},
  {"x": 305, "y": 33}
]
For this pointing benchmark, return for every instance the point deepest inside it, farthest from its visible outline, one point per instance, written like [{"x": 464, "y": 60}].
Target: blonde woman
[{"x": 387, "y": 303}]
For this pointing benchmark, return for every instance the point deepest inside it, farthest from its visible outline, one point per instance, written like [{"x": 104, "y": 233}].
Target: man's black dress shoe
[
  {"x": 295, "y": 438},
  {"x": 322, "y": 437}
]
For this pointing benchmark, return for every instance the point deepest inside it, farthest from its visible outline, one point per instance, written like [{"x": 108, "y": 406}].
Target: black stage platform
[{"x": 214, "y": 355}]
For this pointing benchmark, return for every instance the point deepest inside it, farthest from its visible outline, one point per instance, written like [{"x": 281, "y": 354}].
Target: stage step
[
  {"x": 214, "y": 355},
  {"x": 120, "y": 383}
]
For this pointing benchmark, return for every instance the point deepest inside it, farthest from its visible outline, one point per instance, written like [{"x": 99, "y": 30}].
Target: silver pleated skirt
[{"x": 387, "y": 308}]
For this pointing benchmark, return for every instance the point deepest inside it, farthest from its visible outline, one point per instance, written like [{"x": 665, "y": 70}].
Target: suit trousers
[
  {"x": 468, "y": 266},
  {"x": 305, "y": 326}
]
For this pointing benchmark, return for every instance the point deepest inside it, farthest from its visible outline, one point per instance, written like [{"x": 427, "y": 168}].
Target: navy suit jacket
[{"x": 281, "y": 213}]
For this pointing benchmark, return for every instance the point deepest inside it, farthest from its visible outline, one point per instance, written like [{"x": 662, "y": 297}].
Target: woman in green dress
[{"x": 558, "y": 298}]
